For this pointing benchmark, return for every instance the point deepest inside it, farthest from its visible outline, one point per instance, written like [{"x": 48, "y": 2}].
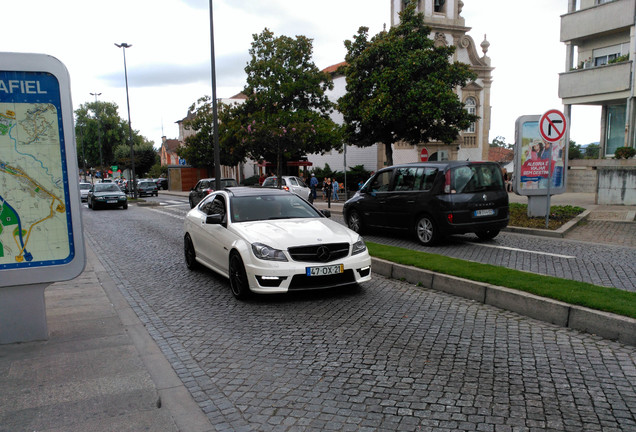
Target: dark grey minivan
[{"x": 432, "y": 199}]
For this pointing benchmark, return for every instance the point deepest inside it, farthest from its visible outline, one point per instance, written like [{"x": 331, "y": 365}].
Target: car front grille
[{"x": 319, "y": 253}]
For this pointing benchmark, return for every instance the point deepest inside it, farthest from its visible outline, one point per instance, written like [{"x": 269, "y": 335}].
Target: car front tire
[
  {"x": 354, "y": 222},
  {"x": 426, "y": 231},
  {"x": 189, "y": 253},
  {"x": 238, "y": 278},
  {"x": 191, "y": 202}
]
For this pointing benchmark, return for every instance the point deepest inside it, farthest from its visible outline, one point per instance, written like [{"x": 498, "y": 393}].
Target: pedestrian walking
[
  {"x": 313, "y": 184},
  {"x": 334, "y": 188}
]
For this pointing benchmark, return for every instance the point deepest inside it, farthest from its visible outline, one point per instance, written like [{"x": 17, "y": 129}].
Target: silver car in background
[{"x": 290, "y": 183}]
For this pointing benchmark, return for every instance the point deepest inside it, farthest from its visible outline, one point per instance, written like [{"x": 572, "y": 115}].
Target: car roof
[
  {"x": 254, "y": 191},
  {"x": 214, "y": 178}
]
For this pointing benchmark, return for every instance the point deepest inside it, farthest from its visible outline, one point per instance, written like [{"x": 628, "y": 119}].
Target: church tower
[{"x": 448, "y": 28}]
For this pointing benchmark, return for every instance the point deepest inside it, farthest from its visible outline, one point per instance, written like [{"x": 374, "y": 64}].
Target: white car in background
[
  {"x": 84, "y": 187},
  {"x": 270, "y": 241},
  {"x": 290, "y": 183}
]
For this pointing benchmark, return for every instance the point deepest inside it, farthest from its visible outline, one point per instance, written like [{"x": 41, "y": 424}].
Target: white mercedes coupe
[{"x": 272, "y": 241}]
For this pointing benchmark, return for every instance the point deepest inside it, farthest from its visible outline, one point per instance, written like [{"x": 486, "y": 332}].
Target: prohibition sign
[{"x": 552, "y": 126}]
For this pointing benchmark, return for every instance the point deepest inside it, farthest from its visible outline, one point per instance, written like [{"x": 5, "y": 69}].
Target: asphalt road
[{"x": 389, "y": 356}]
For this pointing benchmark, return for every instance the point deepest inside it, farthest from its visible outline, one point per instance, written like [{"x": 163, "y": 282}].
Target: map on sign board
[{"x": 35, "y": 220}]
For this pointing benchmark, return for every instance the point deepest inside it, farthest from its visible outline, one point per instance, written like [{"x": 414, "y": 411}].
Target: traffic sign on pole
[
  {"x": 424, "y": 155},
  {"x": 552, "y": 126}
]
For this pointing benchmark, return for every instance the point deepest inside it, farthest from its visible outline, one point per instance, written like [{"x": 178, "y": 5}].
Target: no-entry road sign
[{"x": 552, "y": 126}]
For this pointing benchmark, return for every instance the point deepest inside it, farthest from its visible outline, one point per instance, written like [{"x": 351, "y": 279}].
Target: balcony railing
[
  {"x": 596, "y": 84},
  {"x": 598, "y": 20}
]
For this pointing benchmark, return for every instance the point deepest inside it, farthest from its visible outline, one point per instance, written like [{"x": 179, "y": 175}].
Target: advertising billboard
[
  {"x": 41, "y": 237},
  {"x": 540, "y": 165}
]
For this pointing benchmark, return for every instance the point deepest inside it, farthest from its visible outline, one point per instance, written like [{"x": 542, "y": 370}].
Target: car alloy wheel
[
  {"x": 355, "y": 222},
  {"x": 189, "y": 253},
  {"x": 238, "y": 277},
  {"x": 426, "y": 231}
]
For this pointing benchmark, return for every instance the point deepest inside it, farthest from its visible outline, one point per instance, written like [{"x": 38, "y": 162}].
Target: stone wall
[
  {"x": 613, "y": 180},
  {"x": 617, "y": 186}
]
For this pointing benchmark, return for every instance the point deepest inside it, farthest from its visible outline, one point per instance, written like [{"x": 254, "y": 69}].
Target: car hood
[
  {"x": 105, "y": 194},
  {"x": 287, "y": 233}
]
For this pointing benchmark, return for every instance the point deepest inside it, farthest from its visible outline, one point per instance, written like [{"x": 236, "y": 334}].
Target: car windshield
[
  {"x": 107, "y": 187},
  {"x": 228, "y": 183},
  {"x": 85, "y": 186},
  {"x": 271, "y": 182},
  {"x": 256, "y": 208},
  {"x": 147, "y": 184}
]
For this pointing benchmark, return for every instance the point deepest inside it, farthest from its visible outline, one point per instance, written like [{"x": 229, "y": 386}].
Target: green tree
[
  {"x": 97, "y": 124},
  {"x": 592, "y": 151},
  {"x": 574, "y": 151},
  {"x": 400, "y": 86},
  {"x": 286, "y": 113},
  {"x": 198, "y": 150},
  {"x": 500, "y": 142},
  {"x": 145, "y": 156}
]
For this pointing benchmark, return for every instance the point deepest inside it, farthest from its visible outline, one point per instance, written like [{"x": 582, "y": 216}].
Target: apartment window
[
  {"x": 603, "y": 56},
  {"x": 471, "y": 107}
]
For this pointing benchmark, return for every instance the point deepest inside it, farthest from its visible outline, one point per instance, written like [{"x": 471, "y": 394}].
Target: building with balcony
[{"x": 600, "y": 46}]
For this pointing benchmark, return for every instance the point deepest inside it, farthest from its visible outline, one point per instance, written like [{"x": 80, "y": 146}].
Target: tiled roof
[
  {"x": 334, "y": 68},
  {"x": 500, "y": 154},
  {"x": 172, "y": 145}
]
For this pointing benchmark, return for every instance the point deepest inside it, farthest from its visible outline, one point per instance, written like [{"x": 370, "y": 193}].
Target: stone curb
[{"x": 604, "y": 324}]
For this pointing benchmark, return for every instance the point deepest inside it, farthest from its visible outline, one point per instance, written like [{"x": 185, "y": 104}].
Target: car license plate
[
  {"x": 111, "y": 202},
  {"x": 485, "y": 212},
  {"x": 325, "y": 270}
]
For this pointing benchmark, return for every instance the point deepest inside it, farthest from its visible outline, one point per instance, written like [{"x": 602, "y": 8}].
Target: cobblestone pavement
[
  {"x": 389, "y": 356},
  {"x": 613, "y": 232}
]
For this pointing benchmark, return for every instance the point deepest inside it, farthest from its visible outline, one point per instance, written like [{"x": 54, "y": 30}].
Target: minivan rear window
[{"x": 476, "y": 178}]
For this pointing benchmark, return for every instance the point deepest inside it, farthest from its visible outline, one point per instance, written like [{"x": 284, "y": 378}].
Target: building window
[
  {"x": 471, "y": 107},
  {"x": 603, "y": 56},
  {"x": 615, "y": 128},
  {"x": 439, "y": 6}
]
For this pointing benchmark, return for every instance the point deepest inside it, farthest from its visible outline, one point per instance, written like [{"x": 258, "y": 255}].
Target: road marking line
[{"x": 528, "y": 251}]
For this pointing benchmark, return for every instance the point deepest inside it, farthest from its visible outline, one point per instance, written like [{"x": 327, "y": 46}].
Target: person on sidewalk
[
  {"x": 334, "y": 188},
  {"x": 313, "y": 184}
]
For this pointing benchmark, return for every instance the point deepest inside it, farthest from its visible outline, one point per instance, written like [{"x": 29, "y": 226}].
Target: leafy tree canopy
[
  {"x": 286, "y": 113},
  {"x": 400, "y": 86},
  {"x": 145, "y": 157},
  {"x": 98, "y": 124},
  {"x": 199, "y": 148}
]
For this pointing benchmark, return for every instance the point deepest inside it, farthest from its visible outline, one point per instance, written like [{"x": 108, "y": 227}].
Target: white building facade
[{"x": 447, "y": 28}]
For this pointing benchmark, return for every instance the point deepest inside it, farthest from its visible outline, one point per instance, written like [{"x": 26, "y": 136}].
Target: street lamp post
[
  {"x": 124, "y": 45},
  {"x": 99, "y": 141}
]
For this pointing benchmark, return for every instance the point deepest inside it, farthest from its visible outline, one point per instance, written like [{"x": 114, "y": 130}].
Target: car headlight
[
  {"x": 264, "y": 252},
  {"x": 358, "y": 247}
]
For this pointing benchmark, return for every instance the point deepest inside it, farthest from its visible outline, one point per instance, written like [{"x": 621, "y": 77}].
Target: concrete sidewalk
[{"x": 99, "y": 370}]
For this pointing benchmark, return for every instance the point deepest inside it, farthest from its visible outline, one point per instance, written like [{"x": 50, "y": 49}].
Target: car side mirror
[
  {"x": 214, "y": 219},
  {"x": 326, "y": 213}
]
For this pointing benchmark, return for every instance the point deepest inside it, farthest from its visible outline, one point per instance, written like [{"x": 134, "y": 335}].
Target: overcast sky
[{"x": 169, "y": 62}]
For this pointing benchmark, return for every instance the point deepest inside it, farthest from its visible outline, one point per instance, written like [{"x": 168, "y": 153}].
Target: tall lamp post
[
  {"x": 99, "y": 141},
  {"x": 215, "y": 129},
  {"x": 124, "y": 45}
]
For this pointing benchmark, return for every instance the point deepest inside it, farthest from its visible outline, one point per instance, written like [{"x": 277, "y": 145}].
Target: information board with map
[{"x": 40, "y": 227}]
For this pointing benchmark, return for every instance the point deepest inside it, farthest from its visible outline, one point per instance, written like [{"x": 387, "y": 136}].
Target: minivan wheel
[
  {"x": 355, "y": 222},
  {"x": 488, "y": 234},
  {"x": 238, "y": 278},
  {"x": 426, "y": 231}
]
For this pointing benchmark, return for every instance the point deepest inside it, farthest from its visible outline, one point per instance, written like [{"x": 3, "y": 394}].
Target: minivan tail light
[
  {"x": 449, "y": 217},
  {"x": 286, "y": 188},
  {"x": 447, "y": 182}
]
